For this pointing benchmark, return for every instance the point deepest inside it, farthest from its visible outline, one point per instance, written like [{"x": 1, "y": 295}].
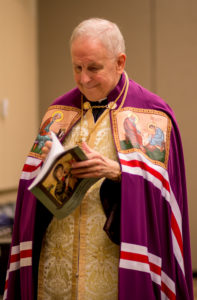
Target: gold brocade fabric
[{"x": 78, "y": 260}]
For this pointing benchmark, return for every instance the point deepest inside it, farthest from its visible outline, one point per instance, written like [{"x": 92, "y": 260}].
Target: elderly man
[{"x": 140, "y": 200}]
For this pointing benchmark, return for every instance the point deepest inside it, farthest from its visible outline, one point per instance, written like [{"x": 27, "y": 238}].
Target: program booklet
[{"x": 55, "y": 186}]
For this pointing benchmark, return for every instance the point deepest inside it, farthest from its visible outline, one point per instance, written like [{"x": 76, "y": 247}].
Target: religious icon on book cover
[{"x": 59, "y": 184}]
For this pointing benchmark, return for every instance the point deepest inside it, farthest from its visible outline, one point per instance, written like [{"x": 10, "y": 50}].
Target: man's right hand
[{"x": 46, "y": 149}]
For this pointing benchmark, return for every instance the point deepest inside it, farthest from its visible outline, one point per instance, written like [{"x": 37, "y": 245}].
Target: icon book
[{"x": 55, "y": 186}]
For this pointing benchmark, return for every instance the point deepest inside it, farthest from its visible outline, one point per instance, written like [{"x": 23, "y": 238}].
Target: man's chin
[{"x": 92, "y": 96}]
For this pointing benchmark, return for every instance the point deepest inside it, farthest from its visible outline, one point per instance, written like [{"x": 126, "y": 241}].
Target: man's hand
[
  {"x": 46, "y": 149},
  {"x": 97, "y": 166}
]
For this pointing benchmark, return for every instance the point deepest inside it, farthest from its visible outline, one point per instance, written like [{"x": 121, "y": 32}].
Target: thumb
[{"x": 86, "y": 148}]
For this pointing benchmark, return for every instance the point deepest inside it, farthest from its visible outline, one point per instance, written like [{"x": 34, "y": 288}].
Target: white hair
[{"x": 107, "y": 32}]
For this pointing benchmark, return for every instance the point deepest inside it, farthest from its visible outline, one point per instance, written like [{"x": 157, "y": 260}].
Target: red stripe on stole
[
  {"x": 134, "y": 256},
  {"x": 26, "y": 253},
  {"x": 144, "y": 166},
  {"x": 14, "y": 257},
  {"x": 140, "y": 258},
  {"x": 155, "y": 269},
  {"x": 167, "y": 291},
  {"x": 177, "y": 232},
  {"x": 22, "y": 254},
  {"x": 29, "y": 168}
]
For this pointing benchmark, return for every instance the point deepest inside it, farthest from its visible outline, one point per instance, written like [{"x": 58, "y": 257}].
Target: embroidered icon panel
[
  {"x": 144, "y": 130},
  {"x": 58, "y": 119}
]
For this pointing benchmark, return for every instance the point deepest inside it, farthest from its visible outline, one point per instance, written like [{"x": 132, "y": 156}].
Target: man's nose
[{"x": 85, "y": 78}]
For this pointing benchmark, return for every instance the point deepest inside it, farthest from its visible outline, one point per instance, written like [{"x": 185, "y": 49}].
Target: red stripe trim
[
  {"x": 14, "y": 257},
  {"x": 22, "y": 254},
  {"x": 29, "y": 168},
  {"x": 134, "y": 256},
  {"x": 140, "y": 258},
  {"x": 177, "y": 232},
  {"x": 155, "y": 269},
  {"x": 144, "y": 166},
  {"x": 167, "y": 291},
  {"x": 165, "y": 183},
  {"x": 26, "y": 253}
]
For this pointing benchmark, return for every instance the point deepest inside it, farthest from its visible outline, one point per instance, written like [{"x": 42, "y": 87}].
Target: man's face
[{"x": 96, "y": 71}]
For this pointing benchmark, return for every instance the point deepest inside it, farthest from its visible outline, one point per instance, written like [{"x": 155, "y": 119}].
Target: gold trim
[
  {"x": 35, "y": 155},
  {"x": 74, "y": 121},
  {"x": 83, "y": 247},
  {"x": 75, "y": 256},
  {"x": 64, "y": 107},
  {"x": 145, "y": 111},
  {"x": 125, "y": 94}
]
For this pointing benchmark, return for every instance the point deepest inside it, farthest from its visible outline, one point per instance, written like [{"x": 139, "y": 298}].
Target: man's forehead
[
  {"x": 85, "y": 39},
  {"x": 86, "y": 63},
  {"x": 87, "y": 47},
  {"x": 87, "y": 58}
]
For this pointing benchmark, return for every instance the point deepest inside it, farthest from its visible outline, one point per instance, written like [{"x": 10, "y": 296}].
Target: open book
[{"x": 54, "y": 186}]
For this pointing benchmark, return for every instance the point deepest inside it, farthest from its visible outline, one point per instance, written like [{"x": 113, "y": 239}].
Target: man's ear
[{"x": 121, "y": 59}]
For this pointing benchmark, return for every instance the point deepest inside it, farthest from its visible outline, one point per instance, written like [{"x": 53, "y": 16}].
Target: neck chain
[{"x": 109, "y": 106}]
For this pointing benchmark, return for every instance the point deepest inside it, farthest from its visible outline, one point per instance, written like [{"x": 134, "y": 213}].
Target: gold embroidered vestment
[{"x": 78, "y": 261}]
